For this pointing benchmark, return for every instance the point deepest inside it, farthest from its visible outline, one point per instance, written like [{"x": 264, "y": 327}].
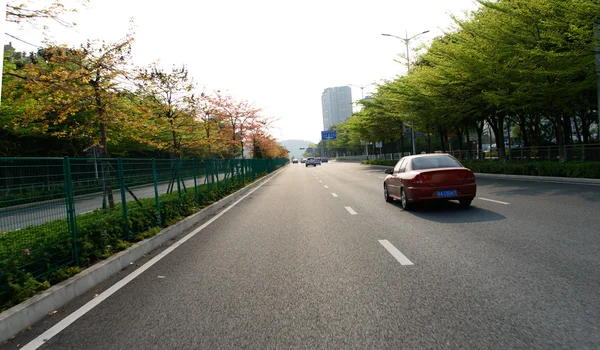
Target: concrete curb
[
  {"x": 21, "y": 316},
  {"x": 567, "y": 180}
]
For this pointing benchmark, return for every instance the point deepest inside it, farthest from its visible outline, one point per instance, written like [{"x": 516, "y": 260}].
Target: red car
[{"x": 425, "y": 177}]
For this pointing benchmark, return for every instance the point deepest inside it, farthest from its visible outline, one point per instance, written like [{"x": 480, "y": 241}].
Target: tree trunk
[
  {"x": 585, "y": 127},
  {"x": 479, "y": 128},
  {"x": 459, "y": 135},
  {"x": 496, "y": 122},
  {"x": 567, "y": 130},
  {"x": 428, "y": 141},
  {"x": 402, "y": 141},
  {"x": 469, "y": 155},
  {"x": 523, "y": 126},
  {"x": 558, "y": 132},
  {"x": 108, "y": 193},
  {"x": 442, "y": 139}
]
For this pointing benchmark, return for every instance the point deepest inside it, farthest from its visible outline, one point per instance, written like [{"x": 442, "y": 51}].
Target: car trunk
[{"x": 446, "y": 176}]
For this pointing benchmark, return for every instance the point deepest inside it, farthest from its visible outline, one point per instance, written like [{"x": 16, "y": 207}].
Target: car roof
[{"x": 428, "y": 155}]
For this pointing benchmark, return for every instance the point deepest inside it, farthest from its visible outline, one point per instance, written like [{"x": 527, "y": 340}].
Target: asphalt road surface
[{"x": 315, "y": 258}]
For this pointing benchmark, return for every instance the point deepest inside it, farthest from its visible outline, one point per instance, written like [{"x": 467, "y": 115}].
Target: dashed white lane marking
[
  {"x": 321, "y": 181},
  {"x": 335, "y": 195},
  {"x": 491, "y": 200},
  {"x": 351, "y": 211},
  {"x": 326, "y": 186},
  {"x": 403, "y": 260},
  {"x": 60, "y": 326}
]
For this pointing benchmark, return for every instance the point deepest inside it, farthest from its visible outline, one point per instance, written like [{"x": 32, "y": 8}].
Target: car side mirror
[{"x": 389, "y": 171}]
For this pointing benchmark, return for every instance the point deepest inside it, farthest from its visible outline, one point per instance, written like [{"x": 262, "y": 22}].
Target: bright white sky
[{"x": 279, "y": 54}]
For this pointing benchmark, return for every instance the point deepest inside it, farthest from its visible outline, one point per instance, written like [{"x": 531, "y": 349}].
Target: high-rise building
[{"x": 337, "y": 105}]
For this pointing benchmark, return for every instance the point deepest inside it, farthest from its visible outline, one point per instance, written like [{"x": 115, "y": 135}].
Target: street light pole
[
  {"x": 362, "y": 94},
  {"x": 406, "y": 40}
]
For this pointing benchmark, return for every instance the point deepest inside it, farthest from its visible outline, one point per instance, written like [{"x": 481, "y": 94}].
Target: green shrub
[
  {"x": 380, "y": 162},
  {"x": 572, "y": 169}
]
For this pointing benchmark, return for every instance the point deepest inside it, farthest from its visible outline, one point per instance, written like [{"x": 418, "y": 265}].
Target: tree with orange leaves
[
  {"x": 241, "y": 118},
  {"x": 75, "y": 92}
]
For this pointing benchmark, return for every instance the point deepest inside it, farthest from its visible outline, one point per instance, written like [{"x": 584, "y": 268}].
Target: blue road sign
[
  {"x": 309, "y": 150},
  {"x": 328, "y": 135}
]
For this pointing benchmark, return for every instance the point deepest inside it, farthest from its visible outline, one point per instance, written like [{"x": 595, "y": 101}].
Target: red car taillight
[
  {"x": 466, "y": 174},
  {"x": 470, "y": 175},
  {"x": 421, "y": 179}
]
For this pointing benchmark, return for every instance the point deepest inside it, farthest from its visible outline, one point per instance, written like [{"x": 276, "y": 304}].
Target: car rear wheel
[
  {"x": 386, "y": 195},
  {"x": 406, "y": 205},
  {"x": 465, "y": 202}
]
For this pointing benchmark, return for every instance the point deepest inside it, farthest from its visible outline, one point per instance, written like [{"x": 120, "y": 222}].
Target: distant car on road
[
  {"x": 303, "y": 160},
  {"x": 324, "y": 160},
  {"x": 294, "y": 161},
  {"x": 426, "y": 177},
  {"x": 312, "y": 161}
]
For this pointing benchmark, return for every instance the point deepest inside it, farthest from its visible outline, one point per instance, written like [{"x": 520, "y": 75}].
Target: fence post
[
  {"x": 195, "y": 169},
  {"x": 549, "y": 154},
  {"x": 583, "y": 151},
  {"x": 216, "y": 169},
  {"x": 207, "y": 174},
  {"x": 70, "y": 202},
  {"x": 123, "y": 198},
  {"x": 156, "y": 191}
]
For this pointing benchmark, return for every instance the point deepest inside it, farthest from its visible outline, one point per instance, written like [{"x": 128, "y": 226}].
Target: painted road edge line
[
  {"x": 67, "y": 321},
  {"x": 334, "y": 194},
  {"x": 403, "y": 260},
  {"x": 351, "y": 211},
  {"x": 492, "y": 200}
]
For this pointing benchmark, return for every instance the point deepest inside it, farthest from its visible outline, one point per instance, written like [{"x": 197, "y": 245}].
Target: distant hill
[{"x": 294, "y": 147}]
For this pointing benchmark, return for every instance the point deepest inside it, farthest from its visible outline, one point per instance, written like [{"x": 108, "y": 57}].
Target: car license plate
[{"x": 450, "y": 193}]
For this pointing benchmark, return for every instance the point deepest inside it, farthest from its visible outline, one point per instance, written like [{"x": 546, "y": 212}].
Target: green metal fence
[{"x": 57, "y": 212}]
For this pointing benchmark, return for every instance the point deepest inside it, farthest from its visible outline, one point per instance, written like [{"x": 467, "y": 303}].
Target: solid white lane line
[
  {"x": 491, "y": 200},
  {"x": 326, "y": 186},
  {"x": 59, "y": 327},
  {"x": 395, "y": 252},
  {"x": 351, "y": 211},
  {"x": 334, "y": 194}
]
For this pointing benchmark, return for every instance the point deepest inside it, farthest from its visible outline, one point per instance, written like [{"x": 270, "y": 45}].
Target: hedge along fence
[
  {"x": 573, "y": 169},
  {"x": 47, "y": 250}
]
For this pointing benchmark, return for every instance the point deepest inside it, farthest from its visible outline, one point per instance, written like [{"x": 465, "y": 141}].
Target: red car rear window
[{"x": 433, "y": 162}]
